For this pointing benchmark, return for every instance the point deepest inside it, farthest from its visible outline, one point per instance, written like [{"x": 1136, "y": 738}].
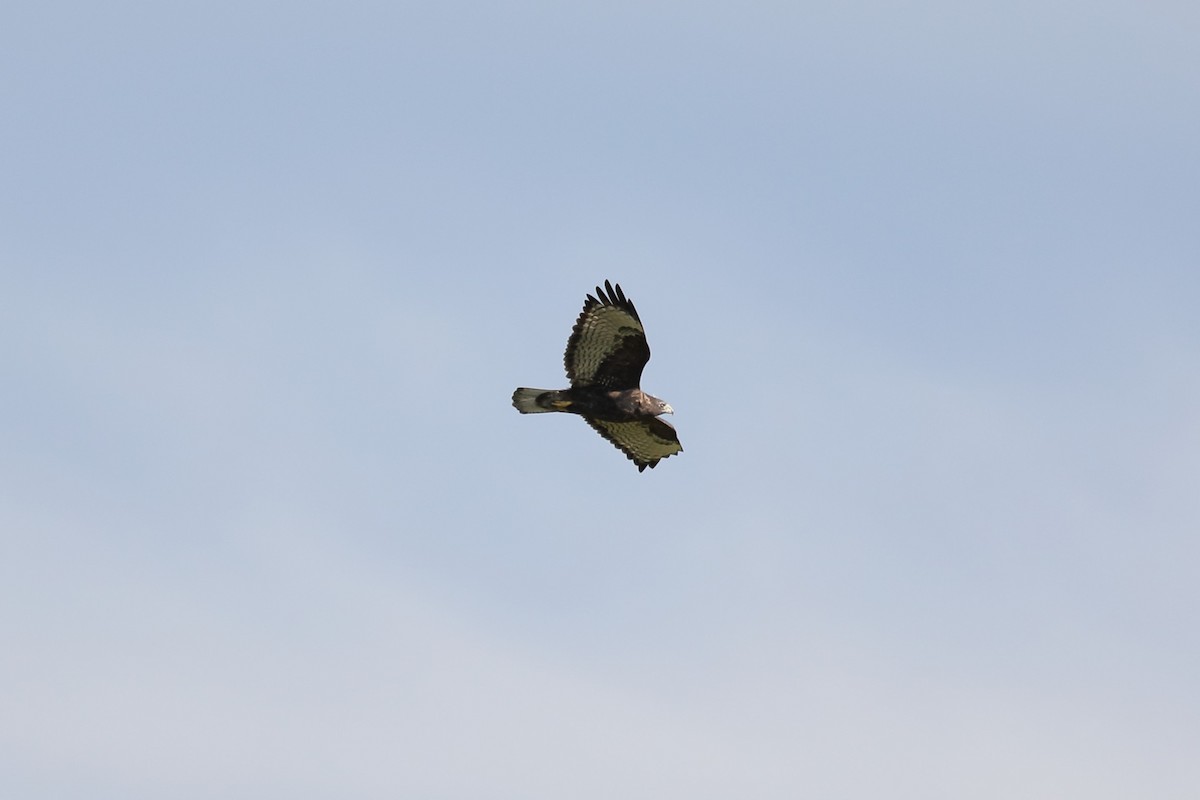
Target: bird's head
[{"x": 655, "y": 406}]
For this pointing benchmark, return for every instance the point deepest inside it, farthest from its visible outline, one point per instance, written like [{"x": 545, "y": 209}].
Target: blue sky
[{"x": 921, "y": 284}]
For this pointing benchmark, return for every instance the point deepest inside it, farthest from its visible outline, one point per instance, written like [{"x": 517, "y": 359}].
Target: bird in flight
[{"x": 605, "y": 355}]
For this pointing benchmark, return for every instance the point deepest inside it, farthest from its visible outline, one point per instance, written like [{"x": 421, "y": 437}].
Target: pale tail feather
[{"x": 525, "y": 401}]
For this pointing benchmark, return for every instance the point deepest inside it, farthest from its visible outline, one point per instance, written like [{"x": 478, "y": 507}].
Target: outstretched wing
[
  {"x": 645, "y": 441},
  {"x": 608, "y": 345}
]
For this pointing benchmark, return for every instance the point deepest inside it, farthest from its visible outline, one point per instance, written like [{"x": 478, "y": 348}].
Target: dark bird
[{"x": 604, "y": 360}]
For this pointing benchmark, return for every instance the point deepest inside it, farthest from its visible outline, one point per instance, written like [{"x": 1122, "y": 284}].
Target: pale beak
[{"x": 667, "y": 409}]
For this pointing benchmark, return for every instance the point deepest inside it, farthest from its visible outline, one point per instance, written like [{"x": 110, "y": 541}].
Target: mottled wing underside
[
  {"x": 645, "y": 441},
  {"x": 608, "y": 344}
]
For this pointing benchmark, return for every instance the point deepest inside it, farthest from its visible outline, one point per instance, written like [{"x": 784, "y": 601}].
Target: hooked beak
[{"x": 667, "y": 409}]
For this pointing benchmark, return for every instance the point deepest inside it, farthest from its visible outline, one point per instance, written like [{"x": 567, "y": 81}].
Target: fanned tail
[{"x": 535, "y": 401}]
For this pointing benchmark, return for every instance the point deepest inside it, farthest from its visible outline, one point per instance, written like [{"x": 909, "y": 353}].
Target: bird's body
[
  {"x": 589, "y": 401},
  {"x": 605, "y": 356}
]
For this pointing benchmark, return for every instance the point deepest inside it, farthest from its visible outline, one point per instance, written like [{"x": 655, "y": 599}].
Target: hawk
[{"x": 605, "y": 356}]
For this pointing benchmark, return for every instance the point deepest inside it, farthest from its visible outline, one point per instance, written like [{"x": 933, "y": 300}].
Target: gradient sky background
[{"x": 921, "y": 281}]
